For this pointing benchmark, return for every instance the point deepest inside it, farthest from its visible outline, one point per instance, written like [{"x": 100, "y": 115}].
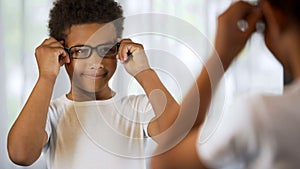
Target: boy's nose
[
  {"x": 96, "y": 65},
  {"x": 96, "y": 61}
]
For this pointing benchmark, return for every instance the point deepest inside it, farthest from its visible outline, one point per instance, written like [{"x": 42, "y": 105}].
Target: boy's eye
[
  {"x": 107, "y": 50},
  {"x": 80, "y": 52},
  {"x": 103, "y": 50}
]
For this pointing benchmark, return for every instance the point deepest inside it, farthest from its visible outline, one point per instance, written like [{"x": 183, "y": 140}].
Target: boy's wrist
[
  {"x": 223, "y": 60},
  {"x": 143, "y": 72},
  {"x": 48, "y": 79}
]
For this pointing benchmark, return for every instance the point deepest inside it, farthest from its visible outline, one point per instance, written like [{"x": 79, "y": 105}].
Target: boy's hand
[
  {"x": 133, "y": 56},
  {"x": 50, "y": 56},
  {"x": 272, "y": 32},
  {"x": 229, "y": 39}
]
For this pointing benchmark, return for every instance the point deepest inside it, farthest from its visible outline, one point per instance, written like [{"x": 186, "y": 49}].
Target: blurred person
[{"x": 258, "y": 130}]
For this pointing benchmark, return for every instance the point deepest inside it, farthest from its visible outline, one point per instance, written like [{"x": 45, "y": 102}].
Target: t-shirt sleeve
[
  {"x": 147, "y": 113},
  {"x": 48, "y": 128},
  {"x": 229, "y": 139}
]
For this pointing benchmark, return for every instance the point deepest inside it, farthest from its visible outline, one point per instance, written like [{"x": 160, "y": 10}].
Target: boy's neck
[{"x": 89, "y": 96}]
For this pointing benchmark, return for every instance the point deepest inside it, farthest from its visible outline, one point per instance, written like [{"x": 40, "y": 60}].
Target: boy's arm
[
  {"x": 164, "y": 105},
  {"x": 184, "y": 155},
  {"x": 27, "y": 136}
]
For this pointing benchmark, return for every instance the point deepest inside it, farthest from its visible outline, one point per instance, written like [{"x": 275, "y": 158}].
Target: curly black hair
[{"x": 66, "y": 13}]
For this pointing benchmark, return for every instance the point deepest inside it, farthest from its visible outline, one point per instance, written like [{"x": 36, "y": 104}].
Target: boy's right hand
[{"x": 50, "y": 56}]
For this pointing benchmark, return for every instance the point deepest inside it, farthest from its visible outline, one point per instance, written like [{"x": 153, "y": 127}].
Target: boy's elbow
[{"x": 20, "y": 156}]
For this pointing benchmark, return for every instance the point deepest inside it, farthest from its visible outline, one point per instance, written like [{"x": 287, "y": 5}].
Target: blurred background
[{"x": 23, "y": 27}]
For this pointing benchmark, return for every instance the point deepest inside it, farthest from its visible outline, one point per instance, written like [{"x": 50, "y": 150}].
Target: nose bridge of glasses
[
  {"x": 94, "y": 51},
  {"x": 94, "y": 54}
]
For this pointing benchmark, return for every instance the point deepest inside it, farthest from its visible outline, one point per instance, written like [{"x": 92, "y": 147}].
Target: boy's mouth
[{"x": 97, "y": 75}]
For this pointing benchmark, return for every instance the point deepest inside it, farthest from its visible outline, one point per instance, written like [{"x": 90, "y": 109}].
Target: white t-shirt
[
  {"x": 257, "y": 132},
  {"x": 109, "y": 134}
]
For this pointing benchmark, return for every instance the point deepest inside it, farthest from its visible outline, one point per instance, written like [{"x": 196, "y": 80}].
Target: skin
[
  {"x": 184, "y": 154},
  {"x": 89, "y": 81},
  {"x": 229, "y": 42},
  {"x": 282, "y": 38}
]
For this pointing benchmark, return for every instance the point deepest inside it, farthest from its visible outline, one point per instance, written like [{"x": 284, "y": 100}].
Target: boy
[{"x": 90, "y": 126}]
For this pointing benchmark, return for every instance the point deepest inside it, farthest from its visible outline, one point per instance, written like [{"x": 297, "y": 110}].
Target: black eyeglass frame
[{"x": 117, "y": 45}]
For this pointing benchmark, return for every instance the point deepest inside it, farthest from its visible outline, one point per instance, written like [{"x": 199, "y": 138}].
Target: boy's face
[{"x": 90, "y": 74}]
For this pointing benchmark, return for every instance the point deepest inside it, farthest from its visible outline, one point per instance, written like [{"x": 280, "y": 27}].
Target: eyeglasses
[{"x": 85, "y": 51}]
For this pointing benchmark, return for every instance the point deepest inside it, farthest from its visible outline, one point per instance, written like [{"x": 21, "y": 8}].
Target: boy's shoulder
[
  {"x": 140, "y": 99},
  {"x": 57, "y": 104},
  {"x": 136, "y": 99},
  {"x": 60, "y": 100}
]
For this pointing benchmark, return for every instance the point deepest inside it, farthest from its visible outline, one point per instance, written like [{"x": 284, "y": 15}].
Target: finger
[
  {"x": 56, "y": 44},
  {"x": 126, "y": 40},
  {"x": 122, "y": 54},
  {"x": 62, "y": 42},
  {"x": 240, "y": 7},
  {"x": 52, "y": 43},
  {"x": 63, "y": 57},
  {"x": 267, "y": 13},
  {"x": 124, "y": 44},
  {"x": 49, "y": 41},
  {"x": 252, "y": 19},
  {"x": 119, "y": 56},
  {"x": 129, "y": 49},
  {"x": 251, "y": 14},
  {"x": 64, "y": 60},
  {"x": 60, "y": 52}
]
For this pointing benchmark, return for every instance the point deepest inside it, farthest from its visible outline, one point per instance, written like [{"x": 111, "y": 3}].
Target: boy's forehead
[{"x": 92, "y": 34}]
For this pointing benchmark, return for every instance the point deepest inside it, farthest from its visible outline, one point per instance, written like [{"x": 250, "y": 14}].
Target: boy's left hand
[
  {"x": 132, "y": 56},
  {"x": 230, "y": 40}
]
